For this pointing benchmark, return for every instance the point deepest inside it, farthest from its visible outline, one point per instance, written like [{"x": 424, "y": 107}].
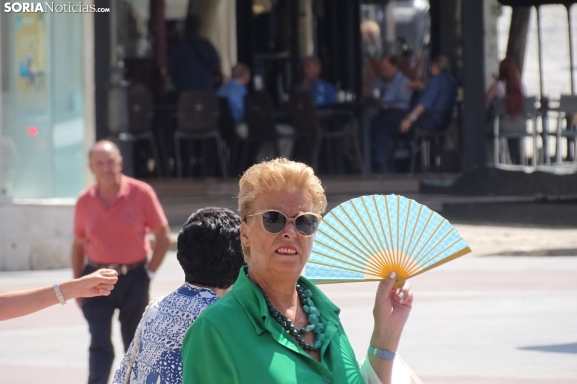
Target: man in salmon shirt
[{"x": 111, "y": 225}]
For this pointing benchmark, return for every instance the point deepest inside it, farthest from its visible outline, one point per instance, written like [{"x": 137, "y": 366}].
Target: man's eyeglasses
[{"x": 274, "y": 222}]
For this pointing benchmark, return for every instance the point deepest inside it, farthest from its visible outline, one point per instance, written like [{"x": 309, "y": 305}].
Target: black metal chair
[
  {"x": 260, "y": 118},
  {"x": 197, "y": 119},
  {"x": 309, "y": 123},
  {"x": 305, "y": 122},
  {"x": 429, "y": 144},
  {"x": 567, "y": 111},
  {"x": 227, "y": 127},
  {"x": 500, "y": 138},
  {"x": 140, "y": 103}
]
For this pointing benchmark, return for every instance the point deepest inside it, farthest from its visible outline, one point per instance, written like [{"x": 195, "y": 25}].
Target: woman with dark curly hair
[{"x": 210, "y": 254}]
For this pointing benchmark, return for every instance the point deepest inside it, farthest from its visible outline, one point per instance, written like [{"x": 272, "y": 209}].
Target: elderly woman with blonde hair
[{"x": 276, "y": 326}]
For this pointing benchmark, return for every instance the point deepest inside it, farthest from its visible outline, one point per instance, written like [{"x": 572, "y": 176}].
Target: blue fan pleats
[{"x": 366, "y": 236}]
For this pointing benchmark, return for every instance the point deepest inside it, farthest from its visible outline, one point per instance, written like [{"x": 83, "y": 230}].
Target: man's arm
[
  {"x": 331, "y": 94},
  {"x": 162, "y": 243},
  {"x": 411, "y": 118},
  {"x": 426, "y": 101},
  {"x": 78, "y": 259},
  {"x": 416, "y": 85}
]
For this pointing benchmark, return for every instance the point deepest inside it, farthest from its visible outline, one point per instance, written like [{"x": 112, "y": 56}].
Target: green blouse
[{"x": 235, "y": 340}]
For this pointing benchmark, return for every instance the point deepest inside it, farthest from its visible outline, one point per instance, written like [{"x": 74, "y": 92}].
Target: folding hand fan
[{"x": 367, "y": 238}]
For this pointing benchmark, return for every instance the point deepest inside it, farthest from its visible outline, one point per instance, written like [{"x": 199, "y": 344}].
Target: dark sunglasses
[{"x": 274, "y": 222}]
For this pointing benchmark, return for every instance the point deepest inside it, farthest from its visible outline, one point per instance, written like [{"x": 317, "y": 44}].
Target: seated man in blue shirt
[
  {"x": 235, "y": 91},
  {"x": 393, "y": 95},
  {"x": 437, "y": 98},
  {"x": 322, "y": 92}
]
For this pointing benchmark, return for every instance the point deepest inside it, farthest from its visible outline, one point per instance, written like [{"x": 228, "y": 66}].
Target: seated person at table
[
  {"x": 235, "y": 91},
  {"x": 393, "y": 95},
  {"x": 437, "y": 98},
  {"x": 322, "y": 92},
  {"x": 209, "y": 252}
]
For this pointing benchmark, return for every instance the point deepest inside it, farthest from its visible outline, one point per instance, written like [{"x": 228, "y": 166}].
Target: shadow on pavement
[
  {"x": 539, "y": 252},
  {"x": 558, "y": 348}
]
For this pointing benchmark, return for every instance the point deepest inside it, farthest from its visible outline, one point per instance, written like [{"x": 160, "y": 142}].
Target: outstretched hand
[{"x": 99, "y": 283}]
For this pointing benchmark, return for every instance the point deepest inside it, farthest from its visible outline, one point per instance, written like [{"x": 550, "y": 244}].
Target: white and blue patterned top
[{"x": 159, "y": 359}]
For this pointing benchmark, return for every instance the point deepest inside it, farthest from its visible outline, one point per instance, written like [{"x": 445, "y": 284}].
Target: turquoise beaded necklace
[{"x": 315, "y": 325}]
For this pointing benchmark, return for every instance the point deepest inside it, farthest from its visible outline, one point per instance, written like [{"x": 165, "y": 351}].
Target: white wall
[
  {"x": 36, "y": 235},
  {"x": 219, "y": 26}
]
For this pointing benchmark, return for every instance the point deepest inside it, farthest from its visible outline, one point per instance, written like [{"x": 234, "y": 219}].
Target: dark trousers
[
  {"x": 385, "y": 126},
  {"x": 130, "y": 297}
]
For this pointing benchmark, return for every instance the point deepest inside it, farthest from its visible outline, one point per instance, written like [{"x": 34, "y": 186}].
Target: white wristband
[
  {"x": 59, "y": 294},
  {"x": 413, "y": 117},
  {"x": 149, "y": 273}
]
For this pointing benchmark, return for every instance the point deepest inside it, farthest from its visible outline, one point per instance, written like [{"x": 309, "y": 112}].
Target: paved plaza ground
[{"x": 481, "y": 319}]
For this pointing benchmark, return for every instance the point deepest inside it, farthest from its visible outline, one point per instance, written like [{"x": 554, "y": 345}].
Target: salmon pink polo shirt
[{"x": 118, "y": 234}]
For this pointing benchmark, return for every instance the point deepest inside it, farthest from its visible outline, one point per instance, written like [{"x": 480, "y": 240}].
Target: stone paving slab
[{"x": 477, "y": 320}]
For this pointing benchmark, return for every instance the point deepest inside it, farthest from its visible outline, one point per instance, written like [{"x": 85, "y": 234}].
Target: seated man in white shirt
[{"x": 210, "y": 254}]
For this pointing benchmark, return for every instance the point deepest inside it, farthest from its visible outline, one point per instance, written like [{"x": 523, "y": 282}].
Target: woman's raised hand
[{"x": 391, "y": 312}]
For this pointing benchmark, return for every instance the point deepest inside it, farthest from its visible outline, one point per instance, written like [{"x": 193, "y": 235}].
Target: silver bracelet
[
  {"x": 59, "y": 294},
  {"x": 382, "y": 353}
]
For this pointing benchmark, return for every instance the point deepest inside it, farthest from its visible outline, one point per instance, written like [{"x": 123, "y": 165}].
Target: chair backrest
[
  {"x": 197, "y": 112},
  {"x": 568, "y": 104},
  {"x": 259, "y": 115},
  {"x": 530, "y": 106},
  {"x": 140, "y": 109},
  {"x": 303, "y": 113}
]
